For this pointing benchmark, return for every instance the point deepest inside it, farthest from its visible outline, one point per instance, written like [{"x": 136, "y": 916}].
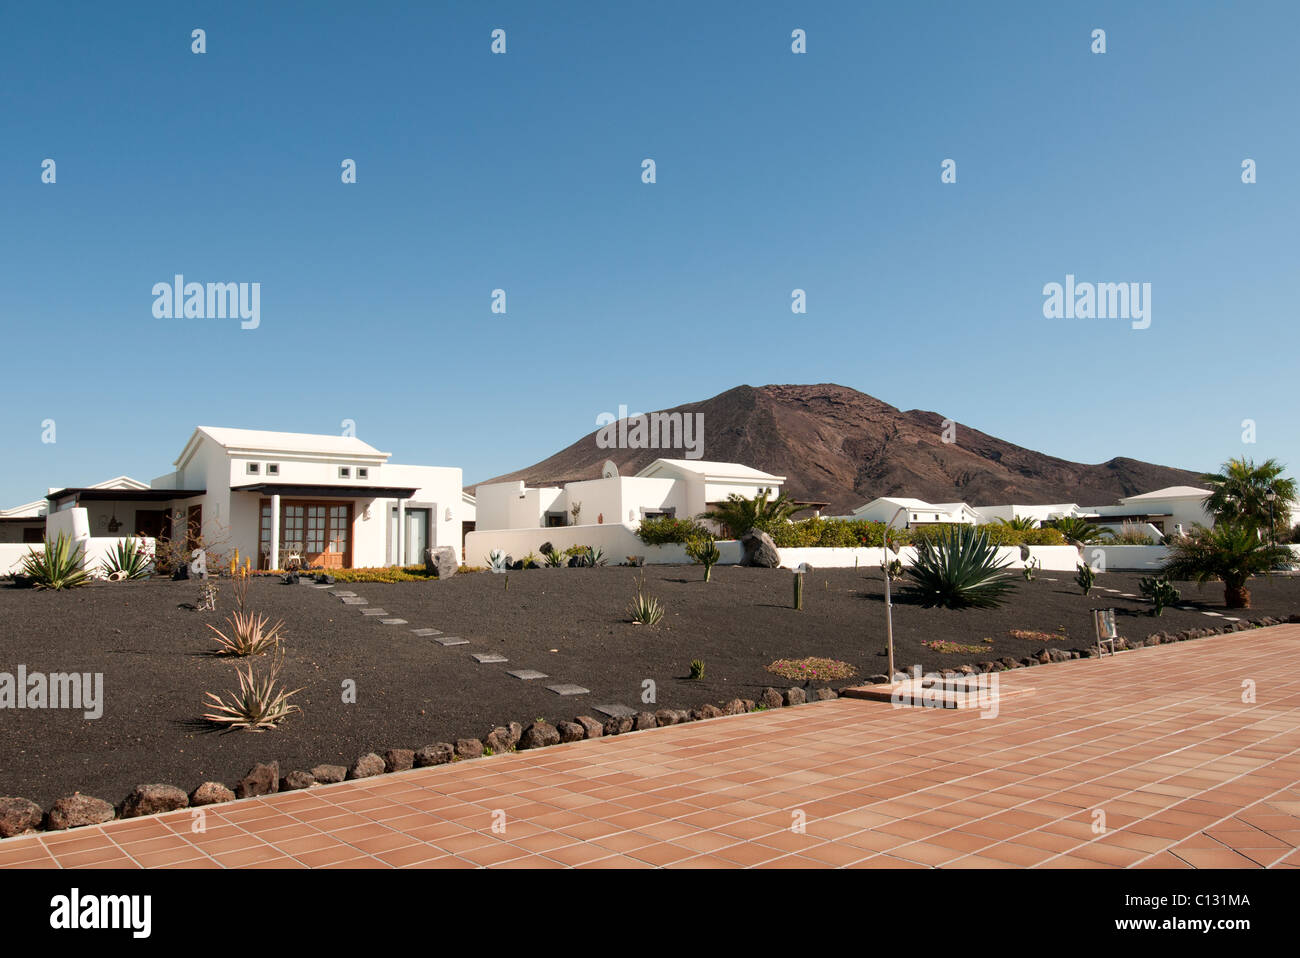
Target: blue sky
[{"x": 775, "y": 171}]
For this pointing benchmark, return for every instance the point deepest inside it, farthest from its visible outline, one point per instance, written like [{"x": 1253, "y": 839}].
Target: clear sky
[{"x": 522, "y": 172}]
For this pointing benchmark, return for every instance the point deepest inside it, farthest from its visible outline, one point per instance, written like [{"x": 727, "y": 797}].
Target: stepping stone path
[
  {"x": 566, "y": 688},
  {"x": 615, "y": 711},
  {"x": 483, "y": 658}
]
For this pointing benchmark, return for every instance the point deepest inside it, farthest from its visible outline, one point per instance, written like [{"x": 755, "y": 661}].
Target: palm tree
[
  {"x": 1077, "y": 529},
  {"x": 738, "y": 515},
  {"x": 1230, "y": 552},
  {"x": 1239, "y": 492},
  {"x": 1019, "y": 523}
]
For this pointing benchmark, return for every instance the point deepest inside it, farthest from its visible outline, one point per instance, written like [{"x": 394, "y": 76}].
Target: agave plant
[
  {"x": 554, "y": 559},
  {"x": 1231, "y": 552},
  {"x": 128, "y": 560},
  {"x": 959, "y": 568},
  {"x": 57, "y": 565},
  {"x": 594, "y": 556},
  {"x": 645, "y": 609},
  {"x": 706, "y": 553},
  {"x": 249, "y": 635},
  {"x": 497, "y": 561},
  {"x": 261, "y": 703}
]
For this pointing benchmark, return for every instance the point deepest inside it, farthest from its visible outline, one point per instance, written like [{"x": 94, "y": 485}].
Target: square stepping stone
[
  {"x": 425, "y": 632},
  {"x": 568, "y": 688},
  {"x": 343, "y": 594},
  {"x": 317, "y": 585},
  {"x": 527, "y": 674},
  {"x": 616, "y": 711},
  {"x": 373, "y": 611},
  {"x": 450, "y": 640},
  {"x": 1217, "y": 615},
  {"x": 393, "y": 621},
  {"x": 489, "y": 658},
  {"x": 356, "y": 600}
]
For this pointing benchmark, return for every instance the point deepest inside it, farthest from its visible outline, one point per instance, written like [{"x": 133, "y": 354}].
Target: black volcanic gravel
[{"x": 411, "y": 691}]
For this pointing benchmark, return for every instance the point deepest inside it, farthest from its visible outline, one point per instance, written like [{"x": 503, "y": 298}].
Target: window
[
  {"x": 272, "y": 468},
  {"x": 670, "y": 513},
  {"x": 252, "y": 468},
  {"x": 363, "y": 472},
  {"x": 345, "y": 472}
]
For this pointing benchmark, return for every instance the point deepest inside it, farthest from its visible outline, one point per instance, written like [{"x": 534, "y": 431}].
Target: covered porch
[{"x": 325, "y": 526}]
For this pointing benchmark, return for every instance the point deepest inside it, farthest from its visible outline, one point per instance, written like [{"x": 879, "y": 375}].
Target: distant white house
[
  {"x": 904, "y": 512},
  {"x": 518, "y": 518},
  {"x": 1039, "y": 513},
  {"x": 329, "y": 501},
  {"x": 1166, "y": 509},
  {"x": 666, "y": 487}
]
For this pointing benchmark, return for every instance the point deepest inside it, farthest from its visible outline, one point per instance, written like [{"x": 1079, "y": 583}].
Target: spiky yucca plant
[
  {"x": 645, "y": 609},
  {"x": 959, "y": 568},
  {"x": 261, "y": 703},
  {"x": 128, "y": 560},
  {"x": 249, "y": 635},
  {"x": 58, "y": 565}
]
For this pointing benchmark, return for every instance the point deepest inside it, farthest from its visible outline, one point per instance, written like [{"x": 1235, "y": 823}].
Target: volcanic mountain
[{"x": 845, "y": 448}]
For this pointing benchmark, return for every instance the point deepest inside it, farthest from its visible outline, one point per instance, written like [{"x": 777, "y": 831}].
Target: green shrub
[
  {"x": 999, "y": 534},
  {"x": 57, "y": 566},
  {"x": 697, "y": 668},
  {"x": 667, "y": 530},
  {"x": 959, "y": 568},
  {"x": 823, "y": 533}
]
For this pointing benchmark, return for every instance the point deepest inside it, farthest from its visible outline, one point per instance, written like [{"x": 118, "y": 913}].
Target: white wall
[
  {"x": 617, "y": 540},
  {"x": 1052, "y": 558}
]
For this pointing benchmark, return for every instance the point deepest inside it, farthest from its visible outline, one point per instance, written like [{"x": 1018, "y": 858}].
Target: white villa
[
  {"x": 329, "y": 501},
  {"x": 518, "y": 518},
  {"x": 1164, "y": 509},
  {"x": 915, "y": 512}
]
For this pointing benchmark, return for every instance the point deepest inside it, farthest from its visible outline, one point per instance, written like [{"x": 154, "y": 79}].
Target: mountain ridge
[{"x": 843, "y": 447}]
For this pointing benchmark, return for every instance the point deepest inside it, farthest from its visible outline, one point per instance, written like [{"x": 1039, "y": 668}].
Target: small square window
[
  {"x": 253, "y": 468},
  {"x": 272, "y": 468},
  {"x": 345, "y": 472},
  {"x": 363, "y": 472}
]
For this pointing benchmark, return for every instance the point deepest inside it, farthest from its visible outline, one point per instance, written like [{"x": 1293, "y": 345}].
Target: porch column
[
  {"x": 274, "y": 560},
  {"x": 401, "y": 532}
]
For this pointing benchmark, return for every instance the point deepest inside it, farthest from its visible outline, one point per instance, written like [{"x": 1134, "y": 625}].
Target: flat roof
[{"x": 124, "y": 495}]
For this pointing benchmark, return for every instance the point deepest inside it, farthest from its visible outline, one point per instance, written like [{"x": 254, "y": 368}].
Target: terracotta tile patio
[{"x": 1157, "y": 745}]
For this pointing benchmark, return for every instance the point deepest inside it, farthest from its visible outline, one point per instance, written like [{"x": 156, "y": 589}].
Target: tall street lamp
[{"x": 889, "y": 608}]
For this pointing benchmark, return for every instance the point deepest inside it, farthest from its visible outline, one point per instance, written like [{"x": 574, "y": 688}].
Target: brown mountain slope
[{"x": 837, "y": 445}]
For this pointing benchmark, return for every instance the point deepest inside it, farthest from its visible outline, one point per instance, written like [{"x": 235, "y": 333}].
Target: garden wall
[
  {"x": 1053, "y": 558},
  {"x": 1130, "y": 558},
  {"x": 617, "y": 540}
]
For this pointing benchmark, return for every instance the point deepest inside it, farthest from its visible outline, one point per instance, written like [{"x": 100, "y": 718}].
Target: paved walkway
[{"x": 1159, "y": 740}]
